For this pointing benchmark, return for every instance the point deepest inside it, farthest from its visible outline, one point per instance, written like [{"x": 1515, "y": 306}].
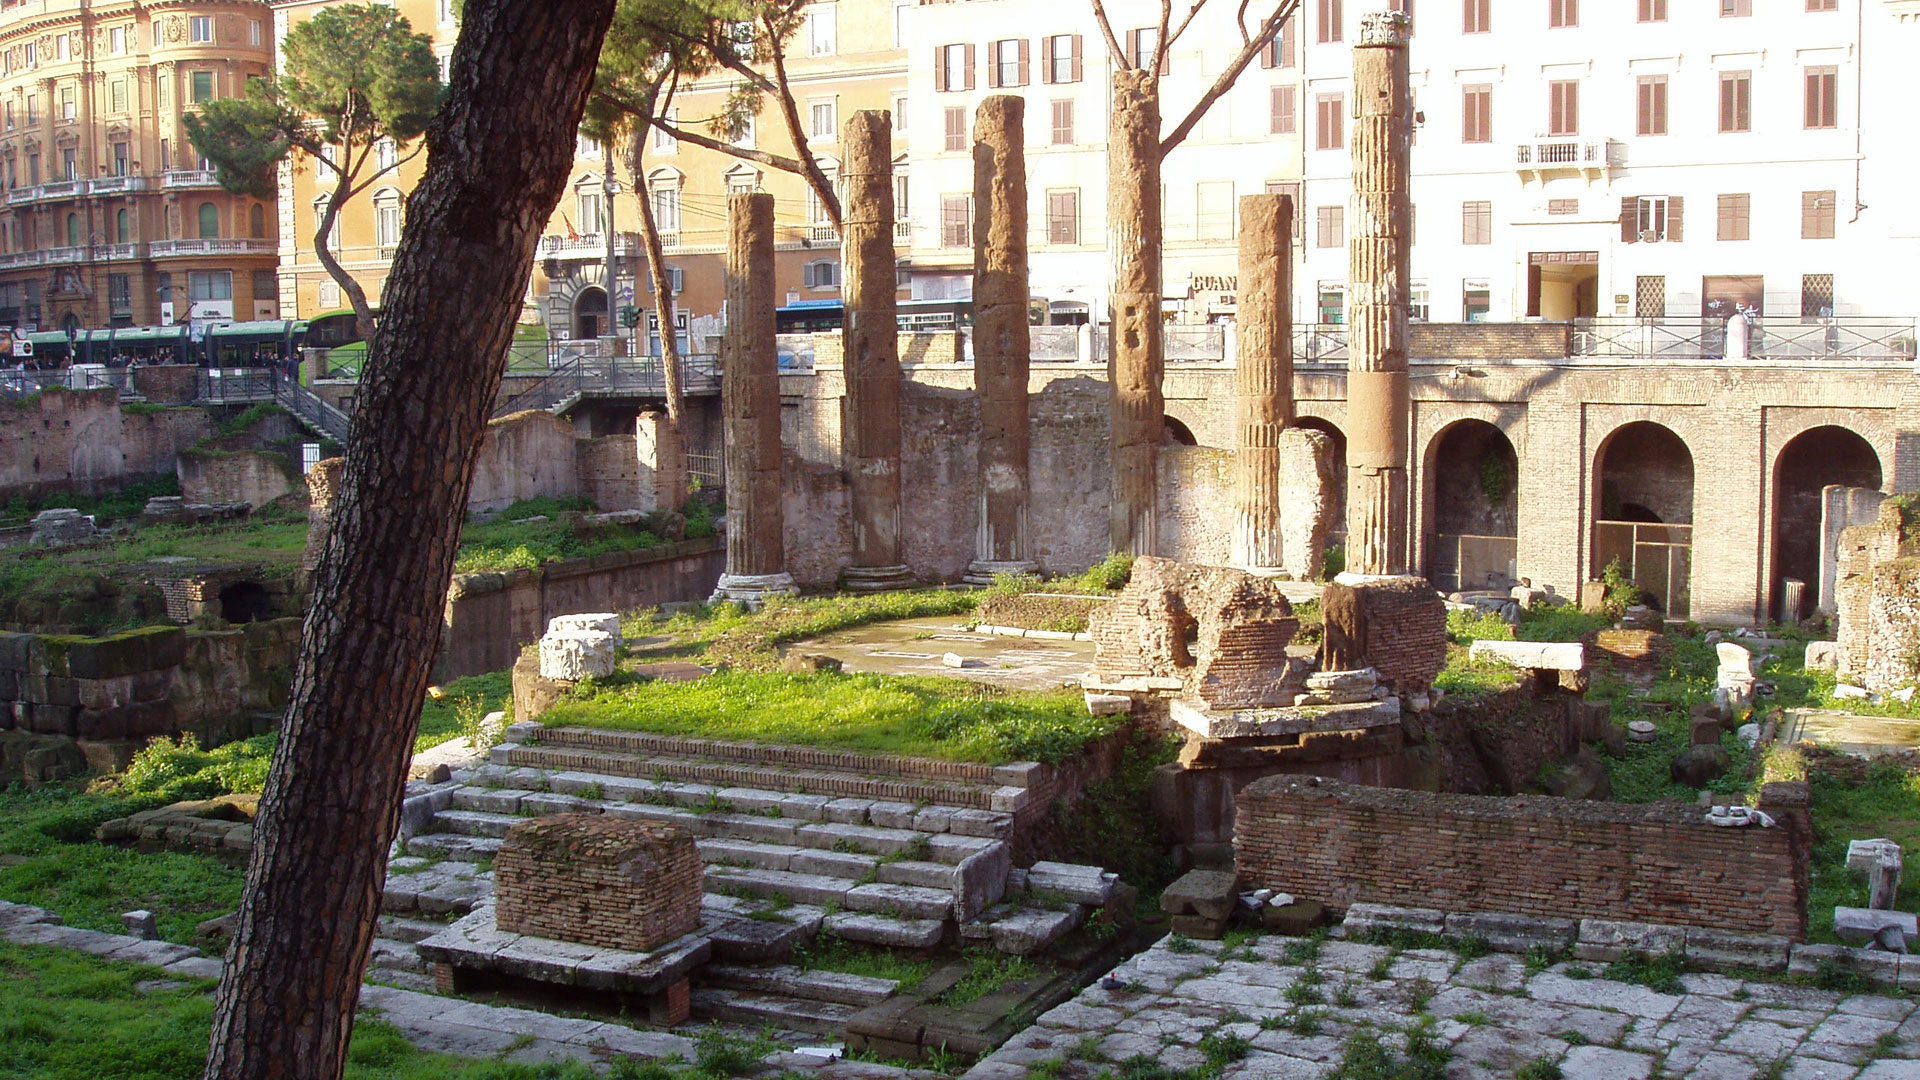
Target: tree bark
[
  {"x": 1138, "y": 363},
  {"x": 672, "y": 445},
  {"x": 498, "y": 157}
]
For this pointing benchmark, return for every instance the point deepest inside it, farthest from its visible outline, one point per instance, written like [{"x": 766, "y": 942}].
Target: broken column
[
  {"x": 660, "y": 449},
  {"x": 1377, "y": 408},
  {"x": 1001, "y": 342},
  {"x": 1262, "y": 380},
  {"x": 750, "y": 402},
  {"x": 1138, "y": 409},
  {"x": 871, "y": 344}
]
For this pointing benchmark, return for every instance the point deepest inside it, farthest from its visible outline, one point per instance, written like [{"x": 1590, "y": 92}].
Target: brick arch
[
  {"x": 1642, "y": 501},
  {"x": 1470, "y": 540},
  {"x": 1816, "y": 456}
]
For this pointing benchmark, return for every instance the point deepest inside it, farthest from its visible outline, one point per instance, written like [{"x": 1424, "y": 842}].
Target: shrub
[{"x": 173, "y": 769}]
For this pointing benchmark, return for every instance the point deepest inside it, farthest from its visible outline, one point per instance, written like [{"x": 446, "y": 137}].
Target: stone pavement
[
  {"x": 1297, "y": 1011},
  {"x": 918, "y": 646}
]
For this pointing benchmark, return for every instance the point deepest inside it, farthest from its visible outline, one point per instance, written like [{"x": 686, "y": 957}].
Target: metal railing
[
  {"x": 310, "y": 407},
  {"x": 1194, "y": 343},
  {"x": 234, "y": 386},
  {"x": 1831, "y": 338},
  {"x": 1658, "y": 558},
  {"x": 1054, "y": 344},
  {"x": 1466, "y": 561},
  {"x": 709, "y": 469},
  {"x": 637, "y": 376}
]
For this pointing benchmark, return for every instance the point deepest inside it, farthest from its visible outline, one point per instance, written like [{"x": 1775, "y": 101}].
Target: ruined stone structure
[
  {"x": 872, "y": 355},
  {"x": 1001, "y": 342},
  {"x": 1379, "y": 279},
  {"x": 1396, "y": 626},
  {"x": 1214, "y": 634},
  {"x": 1841, "y": 508},
  {"x": 1138, "y": 409},
  {"x": 1341, "y": 844},
  {"x": 1879, "y": 598},
  {"x": 756, "y": 545},
  {"x": 598, "y": 879},
  {"x": 323, "y": 487}
]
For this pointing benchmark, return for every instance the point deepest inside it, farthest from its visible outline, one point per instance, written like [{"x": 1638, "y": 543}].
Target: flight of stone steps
[{"x": 890, "y": 851}]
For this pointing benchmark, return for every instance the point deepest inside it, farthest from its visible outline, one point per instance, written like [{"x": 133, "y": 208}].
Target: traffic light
[{"x": 629, "y": 316}]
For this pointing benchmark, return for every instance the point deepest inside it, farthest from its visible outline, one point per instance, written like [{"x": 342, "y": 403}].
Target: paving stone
[
  {"x": 1503, "y": 973},
  {"x": 1602, "y": 994},
  {"x": 1717, "y": 1065},
  {"x": 1506, "y": 1049},
  {"x": 1851, "y": 1030},
  {"x": 1261, "y": 1065},
  {"x": 1793, "y": 1018},
  {"x": 1604, "y": 1063},
  {"x": 1809, "y": 1068},
  {"x": 1599, "y": 1026},
  {"x": 1760, "y": 1039},
  {"x": 1881, "y": 1008},
  {"x": 1706, "y": 984},
  {"x": 1351, "y": 955},
  {"x": 1886, "y": 1069},
  {"x": 461, "y": 1039}
]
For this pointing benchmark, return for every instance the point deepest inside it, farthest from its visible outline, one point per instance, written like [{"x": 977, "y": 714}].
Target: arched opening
[
  {"x": 1178, "y": 432},
  {"x": 1337, "y": 498},
  {"x": 1812, "y": 460},
  {"x": 1473, "y": 521},
  {"x": 257, "y": 221},
  {"x": 123, "y": 227},
  {"x": 73, "y": 230},
  {"x": 1644, "y": 520},
  {"x": 209, "y": 221},
  {"x": 245, "y": 602},
  {"x": 589, "y": 313}
]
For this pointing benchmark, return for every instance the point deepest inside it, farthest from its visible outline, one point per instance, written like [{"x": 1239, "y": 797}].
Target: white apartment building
[
  {"x": 1643, "y": 158},
  {"x": 1055, "y": 56}
]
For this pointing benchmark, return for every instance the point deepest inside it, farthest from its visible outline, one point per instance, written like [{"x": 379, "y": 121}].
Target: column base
[
  {"x": 868, "y": 579},
  {"x": 982, "y": 571},
  {"x": 752, "y": 589}
]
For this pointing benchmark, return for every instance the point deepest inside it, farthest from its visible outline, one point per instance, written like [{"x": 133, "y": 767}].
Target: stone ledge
[{"x": 1265, "y": 723}]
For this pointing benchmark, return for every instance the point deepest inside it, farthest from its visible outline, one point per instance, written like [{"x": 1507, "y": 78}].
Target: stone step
[
  {"x": 927, "y": 875},
  {"x": 474, "y": 823},
  {"x": 392, "y": 955},
  {"x": 857, "y": 782},
  {"x": 402, "y": 928},
  {"x": 454, "y": 847},
  {"x": 878, "y": 929},
  {"x": 737, "y": 1007},
  {"x": 785, "y": 980},
  {"x": 531, "y": 792},
  {"x": 448, "y": 888},
  {"x": 903, "y": 901},
  {"x": 762, "y": 756},
  {"x": 403, "y": 980}
]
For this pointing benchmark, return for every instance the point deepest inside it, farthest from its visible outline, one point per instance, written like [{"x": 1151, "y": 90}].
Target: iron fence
[
  {"x": 1831, "y": 338},
  {"x": 637, "y": 376},
  {"x": 1657, "y": 558},
  {"x": 1464, "y": 561},
  {"x": 709, "y": 469}
]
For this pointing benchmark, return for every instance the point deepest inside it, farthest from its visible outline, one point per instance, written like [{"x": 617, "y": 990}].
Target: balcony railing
[
  {"x": 1781, "y": 338},
  {"x": 903, "y": 230},
  {"x": 189, "y": 178},
  {"x": 21, "y": 258},
  {"x": 73, "y": 189},
  {"x": 822, "y": 234},
  {"x": 161, "y": 249},
  {"x": 60, "y": 255},
  {"x": 116, "y": 251},
  {"x": 590, "y": 246},
  {"x": 1549, "y": 155},
  {"x": 116, "y": 185}
]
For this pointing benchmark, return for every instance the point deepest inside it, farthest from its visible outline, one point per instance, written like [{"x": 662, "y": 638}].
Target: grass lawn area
[
  {"x": 505, "y": 544},
  {"x": 69, "y": 1016},
  {"x": 729, "y": 635},
  {"x": 950, "y": 719}
]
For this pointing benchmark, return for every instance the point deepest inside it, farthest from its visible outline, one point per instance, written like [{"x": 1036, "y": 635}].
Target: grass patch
[
  {"x": 918, "y": 716},
  {"x": 830, "y": 953},
  {"x": 1661, "y": 973},
  {"x": 510, "y": 543},
  {"x": 1365, "y": 1057},
  {"x": 988, "y": 970},
  {"x": 114, "y": 506},
  {"x": 729, "y": 635},
  {"x": 462, "y": 702}
]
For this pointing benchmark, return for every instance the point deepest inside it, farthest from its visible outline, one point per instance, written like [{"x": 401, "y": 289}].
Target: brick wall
[
  {"x": 598, "y": 880},
  {"x": 82, "y": 441},
  {"x": 1342, "y": 844},
  {"x": 1490, "y": 341},
  {"x": 249, "y": 476}
]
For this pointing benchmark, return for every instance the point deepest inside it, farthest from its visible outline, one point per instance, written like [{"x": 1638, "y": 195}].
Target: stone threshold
[{"x": 1022, "y": 632}]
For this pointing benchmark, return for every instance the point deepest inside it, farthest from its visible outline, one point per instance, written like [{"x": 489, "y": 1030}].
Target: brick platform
[{"x": 599, "y": 880}]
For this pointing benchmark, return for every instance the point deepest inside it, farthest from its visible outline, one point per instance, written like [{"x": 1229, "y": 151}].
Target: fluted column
[
  {"x": 750, "y": 402},
  {"x": 1138, "y": 357},
  {"x": 1377, "y": 410},
  {"x": 1263, "y": 378},
  {"x": 871, "y": 344},
  {"x": 1002, "y": 345}
]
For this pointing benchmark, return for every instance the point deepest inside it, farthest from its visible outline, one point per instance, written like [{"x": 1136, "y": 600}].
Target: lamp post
[{"x": 612, "y": 188}]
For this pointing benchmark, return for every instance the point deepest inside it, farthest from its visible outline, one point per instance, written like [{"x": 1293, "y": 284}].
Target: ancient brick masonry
[
  {"x": 598, "y": 880},
  {"x": 1343, "y": 844},
  {"x": 1398, "y": 627},
  {"x": 1878, "y": 586},
  {"x": 1221, "y": 634}
]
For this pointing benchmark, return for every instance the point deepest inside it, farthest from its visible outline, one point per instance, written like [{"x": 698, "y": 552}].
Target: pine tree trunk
[
  {"x": 498, "y": 156},
  {"x": 670, "y": 483}
]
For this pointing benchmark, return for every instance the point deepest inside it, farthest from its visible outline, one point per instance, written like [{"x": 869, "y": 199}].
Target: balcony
[
  {"x": 188, "y": 178},
  {"x": 63, "y": 255},
  {"x": 590, "y": 246},
  {"x": 903, "y": 230},
  {"x": 21, "y": 258},
  {"x": 821, "y": 234},
  {"x": 163, "y": 249},
  {"x": 73, "y": 189},
  {"x": 119, "y": 185},
  {"x": 1536, "y": 160},
  {"x": 112, "y": 252}
]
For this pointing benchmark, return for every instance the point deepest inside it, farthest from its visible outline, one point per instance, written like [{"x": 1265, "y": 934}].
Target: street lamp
[{"x": 612, "y": 188}]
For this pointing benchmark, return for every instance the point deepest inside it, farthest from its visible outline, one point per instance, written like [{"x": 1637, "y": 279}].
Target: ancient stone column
[
  {"x": 1263, "y": 379},
  {"x": 1138, "y": 355},
  {"x": 1377, "y": 411},
  {"x": 750, "y": 402},
  {"x": 871, "y": 346},
  {"x": 1002, "y": 346}
]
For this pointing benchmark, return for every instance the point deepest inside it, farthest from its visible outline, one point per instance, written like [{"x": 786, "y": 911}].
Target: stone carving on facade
[{"x": 176, "y": 29}]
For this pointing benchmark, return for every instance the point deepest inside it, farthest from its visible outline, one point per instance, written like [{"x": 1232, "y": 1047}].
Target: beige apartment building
[
  {"x": 110, "y": 217},
  {"x": 847, "y": 57}
]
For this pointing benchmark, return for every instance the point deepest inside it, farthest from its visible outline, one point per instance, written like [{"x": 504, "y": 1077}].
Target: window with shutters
[
  {"x": 1561, "y": 207},
  {"x": 822, "y": 274},
  {"x": 1329, "y": 226},
  {"x": 1476, "y": 222},
  {"x": 1563, "y": 107},
  {"x": 1653, "y": 11},
  {"x": 117, "y": 96},
  {"x": 1476, "y": 16},
  {"x": 956, "y": 221},
  {"x": 1330, "y": 122},
  {"x": 1141, "y": 44},
  {"x": 1476, "y": 113},
  {"x": 1736, "y": 101},
  {"x": 1009, "y": 60},
  {"x": 1327, "y": 20},
  {"x": 1650, "y": 296},
  {"x": 954, "y": 70},
  {"x": 1648, "y": 219},
  {"x": 1816, "y": 215},
  {"x": 1286, "y": 118},
  {"x": 1563, "y": 13},
  {"x": 1733, "y": 216},
  {"x": 1284, "y": 50},
  {"x": 1063, "y": 122},
  {"x": 1291, "y": 189},
  {"x": 825, "y": 113},
  {"x": 1735, "y": 8},
  {"x": 1650, "y": 105},
  {"x": 1063, "y": 58},
  {"x": 956, "y": 130},
  {"x": 1063, "y": 216},
  {"x": 1823, "y": 100},
  {"x": 1816, "y": 296},
  {"x": 1823, "y": 5}
]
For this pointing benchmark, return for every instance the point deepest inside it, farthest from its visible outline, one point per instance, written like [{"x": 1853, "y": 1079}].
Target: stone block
[
  {"x": 886, "y": 930},
  {"x": 1198, "y": 926},
  {"x": 1734, "y": 659},
  {"x": 577, "y": 654},
  {"x": 980, "y": 881},
  {"x": 606, "y": 622},
  {"x": 1298, "y": 918},
  {"x": 599, "y": 880},
  {"x": 1881, "y": 862},
  {"x": 1607, "y": 940},
  {"x": 1108, "y": 704},
  {"x": 1547, "y": 655},
  {"x": 1513, "y": 933},
  {"x": 1077, "y": 883},
  {"x": 1813, "y": 960},
  {"x": 1209, "y": 894},
  {"x": 1823, "y": 655},
  {"x": 1719, "y": 950},
  {"x": 1859, "y": 926},
  {"x": 1365, "y": 919}
]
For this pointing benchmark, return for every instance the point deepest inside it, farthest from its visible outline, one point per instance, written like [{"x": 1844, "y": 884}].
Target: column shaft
[
  {"x": 1263, "y": 377},
  {"x": 1002, "y": 344}
]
